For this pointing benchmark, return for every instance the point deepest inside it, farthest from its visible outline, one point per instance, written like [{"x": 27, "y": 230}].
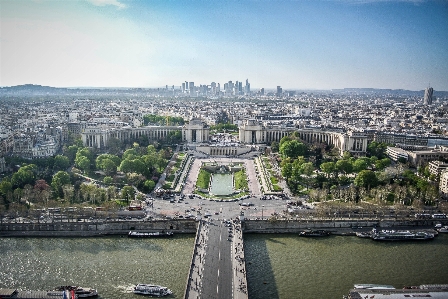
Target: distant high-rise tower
[
  {"x": 427, "y": 100},
  {"x": 191, "y": 88},
  {"x": 279, "y": 91},
  {"x": 247, "y": 87}
]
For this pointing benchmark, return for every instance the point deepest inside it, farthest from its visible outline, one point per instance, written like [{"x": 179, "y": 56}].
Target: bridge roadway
[{"x": 217, "y": 268}]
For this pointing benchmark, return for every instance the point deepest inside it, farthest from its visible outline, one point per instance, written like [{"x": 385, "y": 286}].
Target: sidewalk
[
  {"x": 194, "y": 282},
  {"x": 238, "y": 263}
]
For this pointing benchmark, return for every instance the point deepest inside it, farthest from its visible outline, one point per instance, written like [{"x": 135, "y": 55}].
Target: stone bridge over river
[{"x": 218, "y": 266}]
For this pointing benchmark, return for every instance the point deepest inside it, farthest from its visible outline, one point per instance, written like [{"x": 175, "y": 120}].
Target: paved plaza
[{"x": 192, "y": 206}]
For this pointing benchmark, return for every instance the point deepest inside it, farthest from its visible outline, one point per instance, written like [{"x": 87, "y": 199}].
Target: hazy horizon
[
  {"x": 254, "y": 89},
  {"x": 298, "y": 45}
]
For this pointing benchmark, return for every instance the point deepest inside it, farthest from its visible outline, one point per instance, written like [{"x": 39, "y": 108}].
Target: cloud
[{"x": 107, "y": 2}]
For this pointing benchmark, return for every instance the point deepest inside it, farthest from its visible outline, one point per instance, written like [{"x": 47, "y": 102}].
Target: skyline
[{"x": 293, "y": 44}]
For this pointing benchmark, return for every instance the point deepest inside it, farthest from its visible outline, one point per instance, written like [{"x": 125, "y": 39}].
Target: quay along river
[{"x": 278, "y": 265}]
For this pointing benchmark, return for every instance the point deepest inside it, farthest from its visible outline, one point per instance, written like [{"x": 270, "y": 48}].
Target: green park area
[{"x": 82, "y": 176}]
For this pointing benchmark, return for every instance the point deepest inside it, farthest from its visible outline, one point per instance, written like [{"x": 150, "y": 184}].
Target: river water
[
  {"x": 278, "y": 266},
  {"x": 282, "y": 266}
]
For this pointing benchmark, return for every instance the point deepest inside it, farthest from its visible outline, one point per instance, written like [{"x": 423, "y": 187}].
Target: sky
[{"x": 296, "y": 44}]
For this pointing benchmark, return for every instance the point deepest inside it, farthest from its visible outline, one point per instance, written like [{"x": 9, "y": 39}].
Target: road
[{"x": 217, "y": 274}]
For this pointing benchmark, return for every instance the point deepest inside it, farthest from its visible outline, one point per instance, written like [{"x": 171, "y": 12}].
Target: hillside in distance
[{"x": 39, "y": 90}]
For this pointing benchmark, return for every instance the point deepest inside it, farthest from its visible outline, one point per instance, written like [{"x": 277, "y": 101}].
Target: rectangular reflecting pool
[{"x": 222, "y": 184}]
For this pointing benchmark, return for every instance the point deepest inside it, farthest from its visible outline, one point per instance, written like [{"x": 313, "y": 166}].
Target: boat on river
[
  {"x": 364, "y": 234},
  {"x": 151, "y": 290},
  {"x": 362, "y": 291},
  {"x": 443, "y": 229},
  {"x": 401, "y": 235},
  {"x": 80, "y": 292},
  {"x": 314, "y": 233},
  {"x": 135, "y": 234}
]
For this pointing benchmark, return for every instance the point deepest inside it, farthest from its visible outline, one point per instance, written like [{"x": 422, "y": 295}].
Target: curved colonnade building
[
  {"x": 254, "y": 132},
  {"x": 251, "y": 132},
  {"x": 196, "y": 131}
]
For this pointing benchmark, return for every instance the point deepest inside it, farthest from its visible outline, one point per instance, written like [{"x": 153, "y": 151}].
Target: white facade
[
  {"x": 196, "y": 131},
  {"x": 254, "y": 132},
  {"x": 98, "y": 137},
  {"x": 443, "y": 185},
  {"x": 395, "y": 153}
]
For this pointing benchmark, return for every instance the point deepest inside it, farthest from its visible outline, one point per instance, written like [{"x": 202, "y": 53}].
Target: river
[
  {"x": 278, "y": 266},
  {"x": 282, "y": 266}
]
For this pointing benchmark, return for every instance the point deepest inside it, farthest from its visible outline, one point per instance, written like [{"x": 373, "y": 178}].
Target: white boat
[
  {"x": 371, "y": 286},
  {"x": 401, "y": 235},
  {"x": 443, "y": 229},
  {"x": 136, "y": 234},
  {"x": 152, "y": 290},
  {"x": 364, "y": 234}
]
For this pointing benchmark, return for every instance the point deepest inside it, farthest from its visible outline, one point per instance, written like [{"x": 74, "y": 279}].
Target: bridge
[{"x": 218, "y": 266}]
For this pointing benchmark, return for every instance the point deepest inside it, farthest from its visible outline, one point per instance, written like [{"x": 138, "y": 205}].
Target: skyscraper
[
  {"x": 279, "y": 91},
  {"x": 247, "y": 88},
  {"x": 427, "y": 100},
  {"x": 191, "y": 88}
]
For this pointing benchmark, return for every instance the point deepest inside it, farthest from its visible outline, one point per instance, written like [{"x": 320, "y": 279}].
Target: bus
[{"x": 135, "y": 208}]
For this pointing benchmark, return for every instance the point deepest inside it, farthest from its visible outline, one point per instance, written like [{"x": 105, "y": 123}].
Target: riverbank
[{"x": 188, "y": 226}]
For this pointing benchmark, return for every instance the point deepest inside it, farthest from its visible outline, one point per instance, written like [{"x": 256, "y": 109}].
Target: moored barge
[
  {"x": 16, "y": 294},
  {"x": 136, "y": 234}
]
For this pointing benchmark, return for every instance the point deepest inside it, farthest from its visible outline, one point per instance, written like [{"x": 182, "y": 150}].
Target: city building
[
  {"x": 437, "y": 167},
  {"x": 427, "y": 100},
  {"x": 395, "y": 153}
]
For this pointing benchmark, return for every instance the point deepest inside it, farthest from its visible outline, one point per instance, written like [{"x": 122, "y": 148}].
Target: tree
[
  {"x": 377, "y": 149},
  {"x": 127, "y": 193},
  {"x": 84, "y": 152},
  {"x": 61, "y": 163},
  {"x": 83, "y": 163},
  {"x": 135, "y": 165},
  {"x": 130, "y": 154},
  {"x": 25, "y": 175},
  {"x": 42, "y": 190},
  {"x": 108, "y": 180},
  {"x": 5, "y": 187},
  {"x": 108, "y": 163},
  {"x": 359, "y": 165},
  {"x": 366, "y": 178},
  {"x": 111, "y": 157},
  {"x": 344, "y": 166},
  {"x": 70, "y": 152},
  {"x": 60, "y": 179},
  {"x": 328, "y": 168},
  {"x": 148, "y": 186},
  {"x": 307, "y": 168},
  {"x": 383, "y": 163},
  {"x": 292, "y": 149},
  {"x": 287, "y": 170}
]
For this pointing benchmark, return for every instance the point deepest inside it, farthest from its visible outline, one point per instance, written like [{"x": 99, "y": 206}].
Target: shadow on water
[
  {"x": 260, "y": 276},
  {"x": 275, "y": 241}
]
